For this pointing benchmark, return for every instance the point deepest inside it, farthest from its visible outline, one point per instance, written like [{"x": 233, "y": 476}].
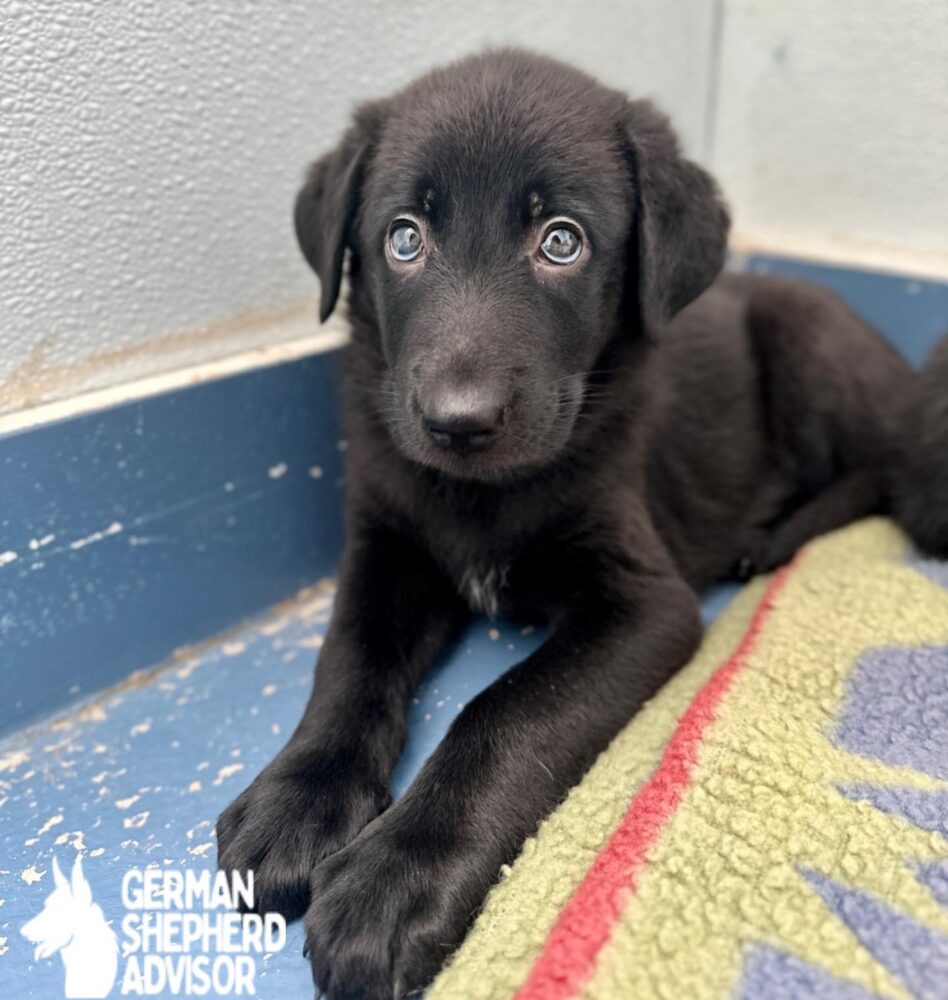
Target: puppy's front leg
[
  {"x": 388, "y": 909},
  {"x": 393, "y": 613}
]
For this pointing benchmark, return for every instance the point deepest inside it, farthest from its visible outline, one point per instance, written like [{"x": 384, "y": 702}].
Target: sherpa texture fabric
[{"x": 773, "y": 825}]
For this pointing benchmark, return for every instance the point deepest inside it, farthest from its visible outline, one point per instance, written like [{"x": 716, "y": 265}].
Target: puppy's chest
[
  {"x": 481, "y": 568},
  {"x": 491, "y": 554},
  {"x": 485, "y": 587}
]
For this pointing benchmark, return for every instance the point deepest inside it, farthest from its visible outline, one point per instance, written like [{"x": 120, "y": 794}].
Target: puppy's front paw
[
  {"x": 300, "y": 808},
  {"x": 385, "y": 914}
]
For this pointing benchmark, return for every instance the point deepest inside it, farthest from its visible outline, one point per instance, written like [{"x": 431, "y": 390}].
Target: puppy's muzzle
[{"x": 463, "y": 420}]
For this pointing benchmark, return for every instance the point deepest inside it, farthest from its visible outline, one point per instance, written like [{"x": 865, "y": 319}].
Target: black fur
[
  {"x": 920, "y": 483},
  {"x": 650, "y": 435}
]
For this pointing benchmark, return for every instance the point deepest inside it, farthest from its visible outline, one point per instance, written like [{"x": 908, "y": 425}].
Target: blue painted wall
[
  {"x": 161, "y": 522},
  {"x": 158, "y": 523}
]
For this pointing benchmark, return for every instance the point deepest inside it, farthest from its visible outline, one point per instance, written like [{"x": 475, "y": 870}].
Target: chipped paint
[
  {"x": 185, "y": 672},
  {"x": 78, "y": 839},
  {"x": 92, "y": 713},
  {"x": 199, "y": 826},
  {"x": 115, "y": 528},
  {"x": 136, "y": 821},
  {"x": 12, "y": 760},
  {"x": 127, "y": 803},
  {"x": 268, "y": 689},
  {"x": 49, "y": 824},
  {"x": 199, "y": 850},
  {"x": 226, "y": 772},
  {"x": 277, "y": 471},
  {"x": 233, "y": 648},
  {"x": 31, "y": 875},
  {"x": 140, "y": 728},
  {"x": 8, "y": 557},
  {"x": 38, "y": 543},
  {"x": 195, "y": 786}
]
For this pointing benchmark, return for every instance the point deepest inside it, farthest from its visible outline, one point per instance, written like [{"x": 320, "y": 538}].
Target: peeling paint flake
[
  {"x": 199, "y": 850},
  {"x": 8, "y": 557},
  {"x": 31, "y": 875},
  {"x": 78, "y": 839},
  {"x": 185, "y": 672},
  {"x": 115, "y": 528},
  {"x": 227, "y": 771},
  {"x": 92, "y": 713},
  {"x": 136, "y": 821},
  {"x": 126, "y": 803},
  {"x": 11, "y": 761},
  {"x": 49, "y": 824}
]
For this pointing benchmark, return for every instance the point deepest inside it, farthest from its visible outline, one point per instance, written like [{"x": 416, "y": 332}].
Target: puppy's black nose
[{"x": 463, "y": 421}]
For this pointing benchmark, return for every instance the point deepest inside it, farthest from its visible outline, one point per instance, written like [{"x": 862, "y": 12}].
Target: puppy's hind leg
[
  {"x": 832, "y": 391},
  {"x": 920, "y": 478},
  {"x": 858, "y": 494}
]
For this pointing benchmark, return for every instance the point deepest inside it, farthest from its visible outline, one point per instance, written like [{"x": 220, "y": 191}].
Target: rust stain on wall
[{"x": 40, "y": 377}]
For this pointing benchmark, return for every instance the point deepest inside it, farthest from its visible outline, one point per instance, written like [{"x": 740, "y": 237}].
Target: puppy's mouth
[{"x": 491, "y": 442}]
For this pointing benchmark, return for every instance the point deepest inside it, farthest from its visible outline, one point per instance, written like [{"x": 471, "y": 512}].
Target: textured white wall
[
  {"x": 831, "y": 132},
  {"x": 150, "y": 152}
]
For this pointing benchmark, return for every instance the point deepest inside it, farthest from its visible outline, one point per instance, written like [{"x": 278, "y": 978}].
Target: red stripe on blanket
[{"x": 585, "y": 924}]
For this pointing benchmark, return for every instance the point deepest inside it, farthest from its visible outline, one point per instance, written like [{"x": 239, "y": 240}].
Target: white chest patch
[{"x": 481, "y": 588}]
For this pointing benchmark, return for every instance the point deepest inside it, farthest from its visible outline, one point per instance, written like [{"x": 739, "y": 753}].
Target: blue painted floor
[{"x": 137, "y": 778}]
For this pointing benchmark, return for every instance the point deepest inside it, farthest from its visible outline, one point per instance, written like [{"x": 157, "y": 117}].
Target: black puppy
[{"x": 540, "y": 423}]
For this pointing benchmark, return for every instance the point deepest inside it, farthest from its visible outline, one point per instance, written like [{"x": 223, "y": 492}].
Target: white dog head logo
[{"x": 75, "y": 927}]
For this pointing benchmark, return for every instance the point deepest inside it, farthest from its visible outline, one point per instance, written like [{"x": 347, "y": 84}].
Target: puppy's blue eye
[
  {"x": 404, "y": 241},
  {"x": 561, "y": 244}
]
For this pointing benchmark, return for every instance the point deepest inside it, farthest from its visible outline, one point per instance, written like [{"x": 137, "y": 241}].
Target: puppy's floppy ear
[
  {"x": 325, "y": 209},
  {"x": 681, "y": 221}
]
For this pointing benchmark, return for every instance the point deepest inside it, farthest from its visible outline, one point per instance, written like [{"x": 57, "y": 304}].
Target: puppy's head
[{"x": 507, "y": 217}]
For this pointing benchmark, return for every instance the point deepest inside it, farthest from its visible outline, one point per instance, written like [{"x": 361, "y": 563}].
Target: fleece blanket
[{"x": 773, "y": 825}]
